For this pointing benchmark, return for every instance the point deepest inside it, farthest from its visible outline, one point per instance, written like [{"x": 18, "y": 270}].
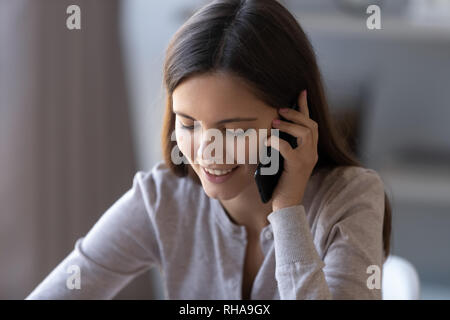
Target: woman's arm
[
  {"x": 120, "y": 246},
  {"x": 348, "y": 234}
]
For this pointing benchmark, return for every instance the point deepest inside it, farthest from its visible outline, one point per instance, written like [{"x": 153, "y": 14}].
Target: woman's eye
[{"x": 187, "y": 127}]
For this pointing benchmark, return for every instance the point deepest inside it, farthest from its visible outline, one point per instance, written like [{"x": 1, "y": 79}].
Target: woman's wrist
[{"x": 278, "y": 205}]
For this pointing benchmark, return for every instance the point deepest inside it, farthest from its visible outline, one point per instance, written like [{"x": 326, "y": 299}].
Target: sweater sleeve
[
  {"x": 120, "y": 246},
  {"x": 349, "y": 237}
]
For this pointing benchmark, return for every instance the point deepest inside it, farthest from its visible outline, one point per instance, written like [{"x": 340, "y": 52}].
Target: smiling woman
[
  {"x": 239, "y": 64},
  {"x": 219, "y": 101},
  {"x": 249, "y": 58},
  {"x": 243, "y": 59}
]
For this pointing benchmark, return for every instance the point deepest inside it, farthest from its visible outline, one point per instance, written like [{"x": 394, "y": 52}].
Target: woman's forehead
[{"x": 210, "y": 94}]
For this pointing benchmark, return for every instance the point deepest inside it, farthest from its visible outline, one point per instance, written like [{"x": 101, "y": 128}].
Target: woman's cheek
[
  {"x": 236, "y": 149},
  {"x": 229, "y": 153},
  {"x": 252, "y": 151},
  {"x": 184, "y": 143},
  {"x": 241, "y": 150}
]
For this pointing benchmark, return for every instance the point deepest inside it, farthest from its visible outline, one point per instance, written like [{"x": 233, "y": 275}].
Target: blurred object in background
[
  {"x": 400, "y": 280},
  {"x": 357, "y": 6},
  {"x": 66, "y": 151},
  {"x": 351, "y": 7},
  {"x": 430, "y": 12}
]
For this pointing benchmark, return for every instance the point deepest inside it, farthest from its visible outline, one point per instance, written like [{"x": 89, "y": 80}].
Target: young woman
[{"x": 325, "y": 232}]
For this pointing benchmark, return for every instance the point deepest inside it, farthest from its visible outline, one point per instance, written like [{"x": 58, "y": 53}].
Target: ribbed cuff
[{"x": 293, "y": 240}]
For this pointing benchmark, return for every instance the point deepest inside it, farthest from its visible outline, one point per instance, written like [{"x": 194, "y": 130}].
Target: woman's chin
[
  {"x": 219, "y": 193},
  {"x": 228, "y": 189}
]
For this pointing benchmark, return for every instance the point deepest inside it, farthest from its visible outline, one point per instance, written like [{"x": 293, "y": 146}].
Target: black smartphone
[{"x": 267, "y": 183}]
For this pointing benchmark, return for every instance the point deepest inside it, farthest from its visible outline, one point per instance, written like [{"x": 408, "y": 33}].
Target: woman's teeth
[{"x": 218, "y": 172}]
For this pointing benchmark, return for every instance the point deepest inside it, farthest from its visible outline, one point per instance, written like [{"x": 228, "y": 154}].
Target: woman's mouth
[{"x": 218, "y": 175}]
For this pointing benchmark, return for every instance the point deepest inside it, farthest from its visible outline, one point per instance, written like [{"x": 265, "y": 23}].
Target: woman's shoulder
[
  {"x": 336, "y": 189},
  {"x": 348, "y": 174},
  {"x": 348, "y": 183},
  {"x": 339, "y": 177},
  {"x": 347, "y": 212},
  {"x": 344, "y": 189}
]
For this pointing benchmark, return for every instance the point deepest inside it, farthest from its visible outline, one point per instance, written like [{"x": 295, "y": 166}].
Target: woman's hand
[{"x": 299, "y": 162}]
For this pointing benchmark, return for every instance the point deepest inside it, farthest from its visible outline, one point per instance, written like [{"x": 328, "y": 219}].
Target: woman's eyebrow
[{"x": 238, "y": 119}]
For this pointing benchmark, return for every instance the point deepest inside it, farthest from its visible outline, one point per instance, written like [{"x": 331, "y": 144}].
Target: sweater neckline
[
  {"x": 229, "y": 226},
  {"x": 225, "y": 222}
]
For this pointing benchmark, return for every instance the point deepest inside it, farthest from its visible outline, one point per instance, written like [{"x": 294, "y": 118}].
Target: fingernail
[
  {"x": 284, "y": 110},
  {"x": 276, "y": 121}
]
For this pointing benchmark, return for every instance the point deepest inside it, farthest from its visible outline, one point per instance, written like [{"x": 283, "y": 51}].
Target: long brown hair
[{"x": 263, "y": 44}]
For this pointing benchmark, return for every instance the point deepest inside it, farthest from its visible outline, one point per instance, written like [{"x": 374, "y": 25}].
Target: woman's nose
[
  {"x": 204, "y": 158},
  {"x": 211, "y": 156}
]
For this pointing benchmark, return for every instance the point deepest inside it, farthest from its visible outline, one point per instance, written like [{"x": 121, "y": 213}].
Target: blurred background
[{"x": 81, "y": 110}]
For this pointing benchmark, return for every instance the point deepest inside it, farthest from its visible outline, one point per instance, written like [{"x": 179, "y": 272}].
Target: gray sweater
[{"x": 321, "y": 249}]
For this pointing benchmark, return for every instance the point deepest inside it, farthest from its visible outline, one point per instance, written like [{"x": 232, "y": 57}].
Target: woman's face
[{"x": 221, "y": 102}]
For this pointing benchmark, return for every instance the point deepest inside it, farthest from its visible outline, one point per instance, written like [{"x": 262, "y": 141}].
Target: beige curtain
[{"x": 66, "y": 152}]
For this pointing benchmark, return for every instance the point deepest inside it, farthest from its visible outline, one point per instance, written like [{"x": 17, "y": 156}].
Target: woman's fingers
[
  {"x": 296, "y": 130},
  {"x": 303, "y": 103},
  {"x": 298, "y": 117},
  {"x": 291, "y": 128},
  {"x": 300, "y": 127},
  {"x": 281, "y": 145}
]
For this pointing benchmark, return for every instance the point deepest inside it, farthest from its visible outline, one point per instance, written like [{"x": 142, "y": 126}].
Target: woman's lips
[{"x": 218, "y": 178}]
